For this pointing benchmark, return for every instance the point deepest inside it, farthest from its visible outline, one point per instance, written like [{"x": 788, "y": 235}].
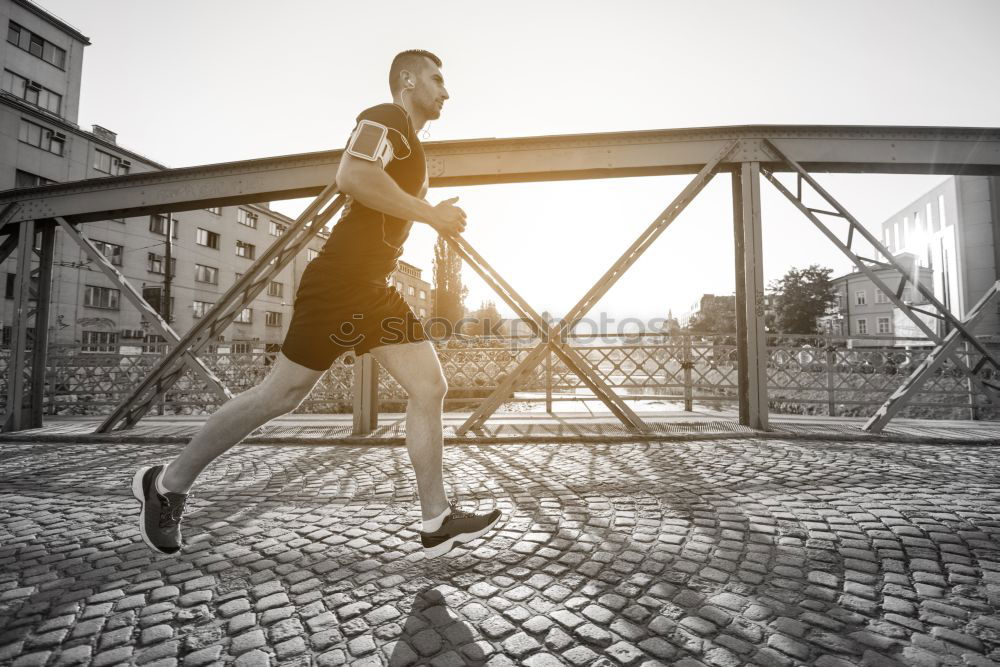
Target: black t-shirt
[{"x": 365, "y": 244}]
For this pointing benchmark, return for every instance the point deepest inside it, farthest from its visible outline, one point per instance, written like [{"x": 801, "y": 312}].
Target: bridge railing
[{"x": 821, "y": 375}]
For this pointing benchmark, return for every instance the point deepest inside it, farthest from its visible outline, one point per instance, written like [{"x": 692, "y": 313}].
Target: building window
[
  {"x": 941, "y": 216},
  {"x": 277, "y": 229},
  {"x": 206, "y": 274},
  {"x": 399, "y": 286},
  {"x": 34, "y": 44},
  {"x": 199, "y": 308},
  {"x": 410, "y": 291},
  {"x": 423, "y": 295},
  {"x": 883, "y": 325},
  {"x": 272, "y": 318},
  {"x": 110, "y": 250},
  {"x": 7, "y": 337},
  {"x": 242, "y": 347},
  {"x": 207, "y": 238},
  {"x": 931, "y": 223},
  {"x": 245, "y": 250},
  {"x": 311, "y": 254},
  {"x": 154, "y": 344},
  {"x": 101, "y": 297},
  {"x": 31, "y": 92},
  {"x": 245, "y": 217},
  {"x": 25, "y": 179},
  {"x": 158, "y": 225},
  {"x": 245, "y": 316},
  {"x": 99, "y": 341},
  {"x": 423, "y": 312},
  {"x": 38, "y": 136},
  {"x": 862, "y": 326},
  {"x": 860, "y": 298},
  {"x": 881, "y": 297},
  {"x": 217, "y": 210},
  {"x": 12, "y": 277},
  {"x": 274, "y": 288},
  {"x": 154, "y": 297},
  {"x": 886, "y": 240},
  {"x": 156, "y": 263},
  {"x": 110, "y": 164}
]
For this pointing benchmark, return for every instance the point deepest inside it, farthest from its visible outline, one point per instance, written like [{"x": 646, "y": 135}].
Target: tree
[
  {"x": 801, "y": 298},
  {"x": 716, "y": 314},
  {"x": 449, "y": 293}
]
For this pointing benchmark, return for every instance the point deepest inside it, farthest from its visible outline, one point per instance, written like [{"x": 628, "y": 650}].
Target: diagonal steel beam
[
  {"x": 929, "y": 365},
  {"x": 569, "y": 356},
  {"x": 8, "y": 212},
  {"x": 161, "y": 326},
  {"x": 7, "y": 246},
  {"x": 926, "y": 292},
  {"x": 171, "y": 366},
  {"x": 891, "y": 294},
  {"x": 871, "y": 275},
  {"x": 488, "y": 406}
]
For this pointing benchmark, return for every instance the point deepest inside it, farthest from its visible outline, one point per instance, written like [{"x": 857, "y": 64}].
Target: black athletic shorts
[{"x": 333, "y": 315}]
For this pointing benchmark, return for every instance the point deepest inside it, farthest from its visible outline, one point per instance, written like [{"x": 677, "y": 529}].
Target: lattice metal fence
[{"x": 806, "y": 375}]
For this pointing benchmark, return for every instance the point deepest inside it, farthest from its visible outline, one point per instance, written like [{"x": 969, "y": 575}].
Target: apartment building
[
  {"x": 863, "y": 313},
  {"x": 41, "y": 143},
  {"x": 415, "y": 290},
  {"x": 954, "y": 230}
]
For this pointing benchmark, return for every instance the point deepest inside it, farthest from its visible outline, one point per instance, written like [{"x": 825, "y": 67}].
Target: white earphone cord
[{"x": 426, "y": 132}]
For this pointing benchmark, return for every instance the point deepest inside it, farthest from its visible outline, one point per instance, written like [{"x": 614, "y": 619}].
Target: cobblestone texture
[{"x": 700, "y": 553}]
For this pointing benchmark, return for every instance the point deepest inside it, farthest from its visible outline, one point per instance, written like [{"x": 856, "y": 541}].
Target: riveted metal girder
[{"x": 857, "y": 149}]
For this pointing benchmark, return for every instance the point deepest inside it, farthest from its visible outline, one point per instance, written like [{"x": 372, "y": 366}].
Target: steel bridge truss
[
  {"x": 746, "y": 153},
  {"x": 944, "y": 346}
]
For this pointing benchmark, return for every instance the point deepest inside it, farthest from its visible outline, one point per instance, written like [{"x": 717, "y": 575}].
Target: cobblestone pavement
[{"x": 724, "y": 553}]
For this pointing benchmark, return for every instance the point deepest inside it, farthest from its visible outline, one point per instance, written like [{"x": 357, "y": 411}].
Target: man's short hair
[{"x": 411, "y": 60}]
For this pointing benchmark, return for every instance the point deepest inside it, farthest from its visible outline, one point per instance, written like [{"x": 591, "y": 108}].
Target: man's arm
[{"x": 368, "y": 183}]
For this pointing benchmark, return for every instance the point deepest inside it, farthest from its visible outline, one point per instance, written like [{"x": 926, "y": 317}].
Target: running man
[{"x": 344, "y": 302}]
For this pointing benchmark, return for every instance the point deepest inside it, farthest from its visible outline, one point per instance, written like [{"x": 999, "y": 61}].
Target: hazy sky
[{"x": 190, "y": 83}]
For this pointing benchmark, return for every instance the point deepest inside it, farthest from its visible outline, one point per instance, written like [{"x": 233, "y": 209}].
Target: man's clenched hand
[{"x": 448, "y": 219}]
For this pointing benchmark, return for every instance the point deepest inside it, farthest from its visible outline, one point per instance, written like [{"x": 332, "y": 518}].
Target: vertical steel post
[
  {"x": 831, "y": 373},
  {"x": 973, "y": 413},
  {"x": 167, "y": 276},
  {"x": 14, "y": 417},
  {"x": 365, "y": 394},
  {"x": 687, "y": 364},
  {"x": 753, "y": 286},
  {"x": 742, "y": 378},
  {"x": 548, "y": 381},
  {"x": 40, "y": 350}
]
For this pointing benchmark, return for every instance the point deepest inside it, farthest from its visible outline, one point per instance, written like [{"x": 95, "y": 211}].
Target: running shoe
[
  {"x": 458, "y": 528},
  {"x": 159, "y": 516}
]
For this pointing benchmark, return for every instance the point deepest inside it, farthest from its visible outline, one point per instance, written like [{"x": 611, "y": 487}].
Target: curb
[{"x": 377, "y": 441}]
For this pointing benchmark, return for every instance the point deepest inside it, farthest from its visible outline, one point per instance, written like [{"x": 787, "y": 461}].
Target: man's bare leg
[
  {"x": 282, "y": 390},
  {"x": 416, "y": 367}
]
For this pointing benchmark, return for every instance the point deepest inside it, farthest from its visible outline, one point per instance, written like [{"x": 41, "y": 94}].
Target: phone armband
[{"x": 370, "y": 141}]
